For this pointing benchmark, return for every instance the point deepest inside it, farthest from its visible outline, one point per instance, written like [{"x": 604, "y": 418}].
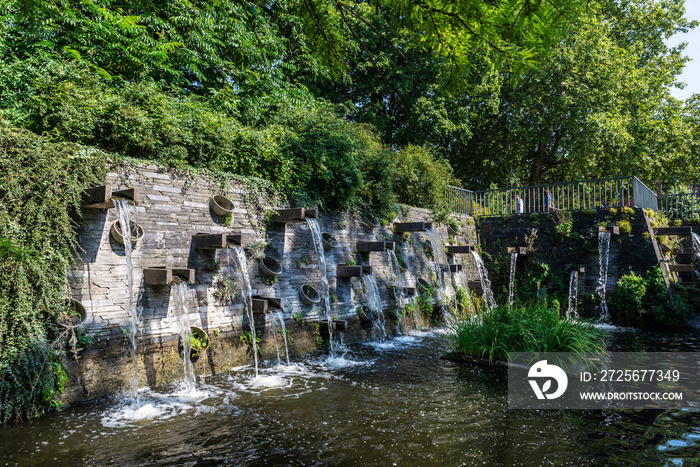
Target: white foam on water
[
  {"x": 334, "y": 361},
  {"x": 132, "y": 413}
]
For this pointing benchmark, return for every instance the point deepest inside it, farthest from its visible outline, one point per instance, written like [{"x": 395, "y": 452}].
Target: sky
[{"x": 691, "y": 72}]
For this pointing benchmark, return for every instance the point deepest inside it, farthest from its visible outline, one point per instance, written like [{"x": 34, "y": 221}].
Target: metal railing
[
  {"x": 459, "y": 200},
  {"x": 571, "y": 196},
  {"x": 679, "y": 206}
]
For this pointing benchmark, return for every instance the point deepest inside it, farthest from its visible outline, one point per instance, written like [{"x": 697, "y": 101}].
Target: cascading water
[
  {"x": 571, "y": 312},
  {"x": 400, "y": 288},
  {"x": 122, "y": 210},
  {"x": 182, "y": 312},
  {"x": 321, "y": 259},
  {"x": 242, "y": 265},
  {"x": 283, "y": 330},
  {"x": 444, "y": 289},
  {"x": 603, "y": 254},
  {"x": 439, "y": 262},
  {"x": 511, "y": 284},
  {"x": 696, "y": 254},
  {"x": 489, "y": 301},
  {"x": 375, "y": 304},
  {"x": 461, "y": 281}
]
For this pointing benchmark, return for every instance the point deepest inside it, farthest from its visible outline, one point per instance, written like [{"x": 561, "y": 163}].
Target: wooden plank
[
  {"x": 345, "y": 271},
  {"x": 288, "y": 215},
  {"x": 127, "y": 193},
  {"x": 458, "y": 249},
  {"x": 272, "y": 302},
  {"x": 184, "y": 273},
  {"x": 97, "y": 194},
  {"x": 682, "y": 251},
  {"x": 209, "y": 241},
  {"x": 681, "y": 268},
  {"x": 401, "y": 227},
  {"x": 157, "y": 276},
  {"x": 259, "y": 305},
  {"x": 687, "y": 230},
  {"x": 366, "y": 247}
]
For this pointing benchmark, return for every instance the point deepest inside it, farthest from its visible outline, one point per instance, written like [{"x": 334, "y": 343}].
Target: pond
[{"x": 391, "y": 403}]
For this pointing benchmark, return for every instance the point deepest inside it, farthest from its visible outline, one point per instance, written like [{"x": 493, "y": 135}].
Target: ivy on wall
[{"x": 40, "y": 193}]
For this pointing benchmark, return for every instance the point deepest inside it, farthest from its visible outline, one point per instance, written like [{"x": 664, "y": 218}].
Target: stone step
[
  {"x": 687, "y": 230},
  {"x": 681, "y": 268}
]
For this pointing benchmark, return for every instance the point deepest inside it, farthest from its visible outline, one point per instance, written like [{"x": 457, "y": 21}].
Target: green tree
[{"x": 598, "y": 106}]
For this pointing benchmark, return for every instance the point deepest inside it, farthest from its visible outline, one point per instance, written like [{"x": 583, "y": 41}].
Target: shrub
[
  {"x": 421, "y": 178},
  {"x": 625, "y": 227},
  {"x": 627, "y": 301},
  {"x": 40, "y": 188}
]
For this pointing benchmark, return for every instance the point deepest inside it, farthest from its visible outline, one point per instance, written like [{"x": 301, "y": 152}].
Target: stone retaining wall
[{"x": 172, "y": 207}]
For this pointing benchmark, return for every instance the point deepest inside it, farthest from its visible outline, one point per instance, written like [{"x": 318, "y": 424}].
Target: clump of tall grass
[{"x": 523, "y": 328}]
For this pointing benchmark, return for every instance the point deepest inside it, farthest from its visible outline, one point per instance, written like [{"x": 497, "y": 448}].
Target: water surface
[{"x": 389, "y": 403}]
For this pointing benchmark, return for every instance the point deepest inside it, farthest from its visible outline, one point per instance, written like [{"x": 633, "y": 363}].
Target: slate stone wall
[
  {"x": 173, "y": 206},
  {"x": 636, "y": 252}
]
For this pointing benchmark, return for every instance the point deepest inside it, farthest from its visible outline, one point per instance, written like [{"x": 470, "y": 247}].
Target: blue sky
[{"x": 691, "y": 72}]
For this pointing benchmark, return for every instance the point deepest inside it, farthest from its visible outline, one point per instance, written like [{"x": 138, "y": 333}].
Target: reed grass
[{"x": 523, "y": 328}]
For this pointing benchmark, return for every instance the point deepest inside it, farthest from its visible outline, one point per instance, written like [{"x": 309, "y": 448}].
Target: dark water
[{"x": 394, "y": 404}]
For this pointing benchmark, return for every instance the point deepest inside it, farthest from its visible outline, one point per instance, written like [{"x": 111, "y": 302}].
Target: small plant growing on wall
[
  {"x": 247, "y": 338},
  {"x": 298, "y": 318},
  {"x": 317, "y": 335},
  {"x": 270, "y": 280},
  {"x": 256, "y": 250},
  {"x": 212, "y": 266},
  {"x": 226, "y": 290},
  {"x": 333, "y": 297},
  {"x": 625, "y": 227},
  {"x": 302, "y": 260},
  {"x": 227, "y": 219},
  {"x": 351, "y": 262},
  {"x": 562, "y": 224}
]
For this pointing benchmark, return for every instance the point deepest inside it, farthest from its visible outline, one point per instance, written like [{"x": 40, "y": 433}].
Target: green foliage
[
  {"x": 247, "y": 338},
  {"x": 298, "y": 318},
  {"x": 425, "y": 302},
  {"x": 634, "y": 294},
  {"x": 227, "y": 219},
  {"x": 625, "y": 227},
  {"x": 523, "y": 328},
  {"x": 628, "y": 298},
  {"x": 421, "y": 178},
  {"x": 317, "y": 335},
  {"x": 562, "y": 224},
  {"x": 213, "y": 266},
  {"x": 256, "y": 249},
  {"x": 37, "y": 209},
  {"x": 226, "y": 290}
]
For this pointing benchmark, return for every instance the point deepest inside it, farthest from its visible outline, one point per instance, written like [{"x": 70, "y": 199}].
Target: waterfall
[
  {"x": 283, "y": 330},
  {"x": 400, "y": 288},
  {"x": 122, "y": 209},
  {"x": 696, "y": 254},
  {"x": 511, "y": 284},
  {"x": 321, "y": 259},
  {"x": 489, "y": 301},
  {"x": 439, "y": 260},
  {"x": 571, "y": 312},
  {"x": 242, "y": 265},
  {"x": 374, "y": 303},
  {"x": 463, "y": 284},
  {"x": 183, "y": 317},
  {"x": 603, "y": 254}
]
